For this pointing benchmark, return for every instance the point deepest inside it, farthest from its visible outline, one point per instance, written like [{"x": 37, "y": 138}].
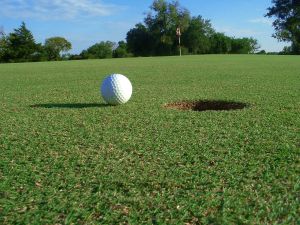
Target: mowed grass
[{"x": 71, "y": 159}]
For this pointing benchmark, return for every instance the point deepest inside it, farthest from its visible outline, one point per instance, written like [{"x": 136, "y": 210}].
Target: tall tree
[
  {"x": 162, "y": 22},
  {"x": 139, "y": 41},
  {"x": 3, "y": 48},
  {"x": 254, "y": 45},
  {"x": 55, "y": 46},
  {"x": 21, "y": 44},
  {"x": 220, "y": 44},
  {"x": 121, "y": 50},
  {"x": 287, "y": 22},
  {"x": 197, "y": 36}
]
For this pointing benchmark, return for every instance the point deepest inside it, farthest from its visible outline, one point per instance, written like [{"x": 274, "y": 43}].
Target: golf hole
[{"x": 206, "y": 105}]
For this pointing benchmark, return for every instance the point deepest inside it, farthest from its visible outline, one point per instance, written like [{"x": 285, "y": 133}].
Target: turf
[{"x": 67, "y": 158}]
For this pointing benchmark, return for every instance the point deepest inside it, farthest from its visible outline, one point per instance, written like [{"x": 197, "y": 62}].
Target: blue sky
[{"x": 85, "y": 22}]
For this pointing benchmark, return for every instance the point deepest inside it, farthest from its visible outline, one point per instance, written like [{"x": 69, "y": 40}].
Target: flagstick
[
  {"x": 179, "y": 45},
  {"x": 178, "y": 33}
]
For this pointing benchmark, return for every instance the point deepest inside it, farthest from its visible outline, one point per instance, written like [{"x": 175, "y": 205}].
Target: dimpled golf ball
[{"x": 116, "y": 89}]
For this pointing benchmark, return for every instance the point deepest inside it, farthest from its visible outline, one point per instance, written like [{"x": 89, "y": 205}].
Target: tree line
[
  {"x": 156, "y": 36},
  {"x": 20, "y": 46}
]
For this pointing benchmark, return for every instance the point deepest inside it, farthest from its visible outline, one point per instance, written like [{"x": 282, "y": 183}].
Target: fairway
[{"x": 68, "y": 158}]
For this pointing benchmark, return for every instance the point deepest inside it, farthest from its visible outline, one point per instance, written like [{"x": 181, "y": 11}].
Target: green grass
[{"x": 72, "y": 160}]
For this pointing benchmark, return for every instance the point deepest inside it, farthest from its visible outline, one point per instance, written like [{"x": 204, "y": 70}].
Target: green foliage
[
  {"x": 121, "y": 50},
  {"x": 55, "y": 46},
  {"x": 296, "y": 47},
  {"x": 102, "y": 50},
  {"x": 75, "y": 57},
  {"x": 254, "y": 45},
  {"x": 162, "y": 22},
  {"x": 262, "y": 52},
  {"x": 287, "y": 23},
  {"x": 220, "y": 43},
  {"x": 197, "y": 36},
  {"x": 287, "y": 50},
  {"x": 3, "y": 47},
  {"x": 244, "y": 45},
  {"x": 139, "y": 41},
  {"x": 158, "y": 35},
  {"x": 74, "y": 160},
  {"x": 19, "y": 46}
]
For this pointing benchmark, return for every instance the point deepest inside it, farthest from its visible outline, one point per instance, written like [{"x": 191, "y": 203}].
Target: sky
[{"x": 86, "y": 22}]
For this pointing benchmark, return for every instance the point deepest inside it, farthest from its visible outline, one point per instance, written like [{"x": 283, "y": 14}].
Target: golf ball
[{"x": 116, "y": 89}]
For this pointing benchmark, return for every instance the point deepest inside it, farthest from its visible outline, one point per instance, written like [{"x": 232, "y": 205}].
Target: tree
[
  {"x": 262, "y": 52},
  {"x": 75, "y": 57},
  {"x": 197, "y": 36},
  {"x": 100, "y": 50},
  {"x": 21, "y": 46},
  {"x": 244, "y": 45},
  {"x": 162, "y": 22},
  {"x": 55, "y": 46},
  {"x": 220, "y": 44},
  {"x": 3, "y": 48},
  {"x": 139, "y": 41},
  {"x": 254, "y": 45},
  {"x": 287, "y": 23},
  {"x": 121, "y": 50},
  {"x": 157, "y": 36},
  {"x": 287, "y": 50}
]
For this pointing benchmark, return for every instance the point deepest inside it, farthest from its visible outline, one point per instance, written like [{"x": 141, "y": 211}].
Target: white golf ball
[{"x": 116, "y": 89}]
